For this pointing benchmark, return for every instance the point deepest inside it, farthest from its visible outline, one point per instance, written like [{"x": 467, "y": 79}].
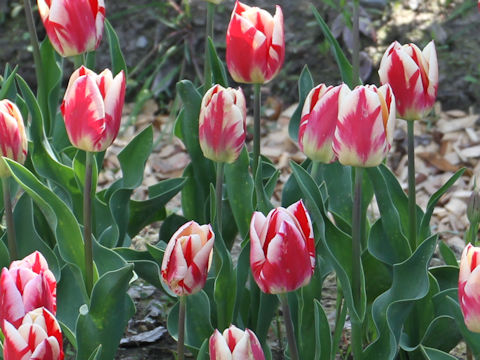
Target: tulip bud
[
  {"x": 73, "y": 26},
  {"x": 92, "y": 108},
  {"x": 366, "y": 120},
  {"x": 319, "y": 120},
  {"x": 222, "y": 124},
  {"x": 255, "y": 44},
  {"x": 38, "y": 337},
  {"x": 13, "y": 141},
  {"x": 413, "y": 76},
  {"x": 28, "y": 284},
  {"x": 235, "y": 344},
  {"x": 469, "y": 287},
  {"x": 282, "y": 249},
  {"x": 187, "y": 258},
  {"x": 473, "y": 208}
]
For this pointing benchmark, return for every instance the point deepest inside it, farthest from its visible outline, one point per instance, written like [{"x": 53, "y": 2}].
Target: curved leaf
[{"x": 305, "y": 84}]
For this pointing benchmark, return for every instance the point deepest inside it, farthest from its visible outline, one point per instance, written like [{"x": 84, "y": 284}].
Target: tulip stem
[
  {"x": 218, "y": 195},
  {"x": 412, "y": 203},
  {"x": 7, "y": 205},
  {"x": 357, "y": 262},
  {"x": 256, "y": 139},
  {"x": 356, "y": 45},
  {"x": 292, "y": 344},
  {"x": 87, "y": 221},
  {"x": 315, "y": 170},
  {"x": 181, "y": 327},
  {"x": 207, "y": 69}
]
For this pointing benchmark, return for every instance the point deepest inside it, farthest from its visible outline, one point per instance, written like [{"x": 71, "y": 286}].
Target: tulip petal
[
  {"x": 114, "y": 99},
  {"x": 218, "y": 347},
  {"x": 11, "y": 302},
  {"x": 14, "y": 347}
]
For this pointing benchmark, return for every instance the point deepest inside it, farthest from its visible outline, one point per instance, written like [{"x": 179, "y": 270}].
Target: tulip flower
[
  {"x": 92, "y": 108},
  {"x": 319, "y": 120},
  {"x": 187, "y": 258},
  {"x": 469, "y": 287},
  {"x": 235, "y": 344},
  {"x": 413, "y": 76},
  {"x": 28, "y": 284},
  {"x": 366, "y": 120},
  {"x": 13, "y": 141},
  {"x": 38, "y": 337},
  {"x": 222, "y": 124},
  {"x": 255, "y": 44},
  {"x": 73, "y": 26},
  {"x": 282, "y": 249}
]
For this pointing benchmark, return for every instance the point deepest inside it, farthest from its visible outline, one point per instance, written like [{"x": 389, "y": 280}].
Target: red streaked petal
[
  {"x": 218, "y": 347},
  {"x": 11, "y": 302}
]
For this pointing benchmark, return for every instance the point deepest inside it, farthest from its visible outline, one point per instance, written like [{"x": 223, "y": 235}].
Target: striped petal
[{"x": 218, "y": 347}]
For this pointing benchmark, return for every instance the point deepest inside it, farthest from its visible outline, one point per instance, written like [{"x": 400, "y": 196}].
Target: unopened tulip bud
[
  {"x": 473, "y": 208},
  {"x": 235, "y": 344},
  {"x": 255, "y": 44},
  {"x": 222, "y": 124},
  {"x": 92, "y": 108},
  {"x": 413, "y": 75},
  {"x": 469, "y": 287},
  {"x": 73, "y": 26}
]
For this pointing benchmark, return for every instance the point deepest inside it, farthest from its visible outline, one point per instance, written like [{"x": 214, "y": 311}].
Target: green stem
[
  {"x": 357, "y": 262},
  {"x": 356, "y": 44},
  {"x": 340, "y": 316},
  {"x": 181, "y": 327},
  {"x": 207, "y": 70},
  {"x": 315, "y": 170},
  {"x": 78, "y": 60},
  {"x": 218, "y": 195},
  {"x": 292, "y": 344},
  {"x": 279, "y": 332},
  {"x": 7, "y": 204},
  {"x": 87, "y": 221},
  {"x": 256, "y": 127},
  {"x": 412, "y": 203}
]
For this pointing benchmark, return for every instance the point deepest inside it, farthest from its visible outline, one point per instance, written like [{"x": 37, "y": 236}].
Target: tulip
[
  {"x": 235, "y": 344},
  {"x": 319, "y": 120},
  {"x": 73, "y": 26},
  {"x": 38, "y": 337},
  {"x": 469, "y": 287},
  {"x": 255, "y": 44},
  {"x": 366, "y": 119},
  {"x": 28, "y": 284},
  {"x": 222, "y": 124},
  {"x": 413, "y": 76},
  {"x": 187, "y": 258},
  {"x": 92, "y": 108},
  {"x": 282, "y": 249},
  {"x": 13, "y": 141}
]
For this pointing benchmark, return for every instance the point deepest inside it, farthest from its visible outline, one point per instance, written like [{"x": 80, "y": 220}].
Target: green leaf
[
  {"x": 343, "y": 64},
  {"x": 145, "y": 265},
  {"x": 116, "y": 55},
  {"x": 291, "y": 192},
  {"x": 242, "y": 270},
  {"x": 8, "y": 91},
  {"x": 104, "y": 322},
  {"x": 447, "y": 254},
  {"x": 425, "y": 224},
  {"x": 219, "y": 75},
  {"x": 96, "y": 353},
  {"x": 145, "y": 212},
  {"x": 197, "y": 320},
  {"x": 305, "y": 84},
  {"x": 446, "y": 276},
  {"x": 59, "y": 216},
  {"x": 323, "y": 337},
  {"x": 266, "y": 312},
  {"x": 434, "y": 354},
  {"x": 203, "y": 352}
]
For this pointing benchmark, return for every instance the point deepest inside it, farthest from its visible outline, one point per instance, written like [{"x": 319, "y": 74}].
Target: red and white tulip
[
  {"x": 92, "y": 108},
  {"x": 469, "y": 287},
  {"x": 73, "y": 26},
  {"x": 235, "y": 344},
  {"x": 37, "y": 338},
  {"x": 282, "y": 249},
  {"x": 366, "y": 120},
  {"x": 222, "y": 124},
  {"x": 28, "y": 284},
  {"x": 187, "y": 258},
  {"x": 319, "y": 120},
  {"x": 413, "y": 75},
  {"x": 255, "y": 44}
]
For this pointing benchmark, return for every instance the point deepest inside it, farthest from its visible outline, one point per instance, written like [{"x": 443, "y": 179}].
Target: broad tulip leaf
[
  {"x": 446, "y": 276},
  {"x": 96, "y": 353},
  {"x": 390, "y": 309},
  {"x": 8, "y": 90},
  {"x": 266, "y": 311},
  {"x": 343, "y": 64},
  {"x": 305, "y": 84},
  {"x": 58, "y": 215},
  {"x": 434, "y": 354},
  {"x": 4, "y": 255},
  {"x": 323, "y": 337},
  {"x": 197, "y": 320},
  {"x": 27, "y": 237},
  {"x": 425, "y": 224},
  {"x": 442, "y": 334},
  {"x": 242, "y": 270},
  {"x": 447, "y": 254},
  {"x": 145, "y": 212},
  {"x": 104, "y": 322},
  {"x": 79, "y": 171},
  {"x": 291, "y": 192},
  {"x": 203, "y": 352},
  {"x": 116, "y": 55},
  {"x": 219, "y": 75},
  {"x": 169, "y": 226},
  {"x": 378, "y": 276},
  {"x": 106, "y": 259},
  {"x": 145, "y": 265}
]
